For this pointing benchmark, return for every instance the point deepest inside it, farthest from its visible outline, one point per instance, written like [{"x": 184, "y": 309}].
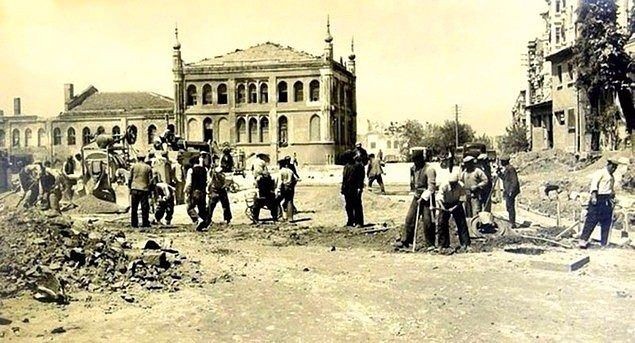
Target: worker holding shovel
[{"x": 449, "y": 204}]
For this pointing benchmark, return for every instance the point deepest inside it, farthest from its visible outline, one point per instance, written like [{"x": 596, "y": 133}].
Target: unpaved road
[{"x": 288, "y": 284}]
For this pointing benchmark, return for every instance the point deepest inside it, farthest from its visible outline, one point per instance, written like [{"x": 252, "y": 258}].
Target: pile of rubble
[
  {"x": 51, "y": 256},
  {"x": 550, "y": 161}
]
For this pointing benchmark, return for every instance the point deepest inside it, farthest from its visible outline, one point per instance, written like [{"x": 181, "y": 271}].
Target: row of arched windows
[
  {"x": 251, "y": 93},
  {"x": 28, "y": 138},
  {"x": 253, "y": 130}
]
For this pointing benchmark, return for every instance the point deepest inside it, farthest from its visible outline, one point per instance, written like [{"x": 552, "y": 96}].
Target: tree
[
  {"x": 601, "y": 62},
  {"x": 515, "y": 139},
  {"x": 438, "y": 138},
  {"x": 485, "y": 139},
  {"x": 410, "y": 133}
]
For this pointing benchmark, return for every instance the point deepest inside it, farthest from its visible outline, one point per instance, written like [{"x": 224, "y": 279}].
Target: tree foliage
[
  {"x": 515, "y": 139},
  {"x": 437, "y": 137},
  {"x": 602, "y": 64}
]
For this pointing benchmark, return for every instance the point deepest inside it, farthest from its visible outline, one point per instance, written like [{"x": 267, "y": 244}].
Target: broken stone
[
  {"x": 128, "y": 298},
  {"x": 153, "y": 258},
  {"x": 49, "y": 289},
  {"x": 5, "y": 321},
  {"x": 58, "y": 329},
  {"x": 77, "y": 255}
]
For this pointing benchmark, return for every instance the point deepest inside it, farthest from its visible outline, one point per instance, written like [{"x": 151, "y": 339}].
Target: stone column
[
  {"x": 273, "y": 116},
  {"x": 231, "y": 105}
]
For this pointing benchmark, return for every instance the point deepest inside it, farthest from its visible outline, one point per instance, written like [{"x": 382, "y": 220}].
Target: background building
[
  {"x": 269, "y": 98},
  {"x": 378, "y": 139}
]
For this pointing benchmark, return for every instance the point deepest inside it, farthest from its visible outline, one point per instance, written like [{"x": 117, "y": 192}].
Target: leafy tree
[
  {"x": 515, "y": 139},
  {"x": 436, "y": 137},
  {"x": 410, "y": 133},
  {"x": 602, "y": 64},
  {"x": 485, "y": 139}
]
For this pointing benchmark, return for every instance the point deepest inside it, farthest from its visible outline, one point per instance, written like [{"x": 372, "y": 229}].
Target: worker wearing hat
[
  {"x": 511, "y": 187},
  {"x": 423, "y": 181},
  {"x": 227, "y": 160},
  {"x": 474, "y": 180},
  {"x": 217, "y": 192},
  {"x": 139, "y": 184},
  {"x": 449, "y": 204},
  {"x": 361, "y": 155},
  {"x": 601, "y": 203},
  {"x": 259, "y": 165},
  {"x": 483, "y": 163}
]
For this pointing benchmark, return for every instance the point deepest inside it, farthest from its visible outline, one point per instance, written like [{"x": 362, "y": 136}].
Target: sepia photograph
[{"x": 317, "y": 171}]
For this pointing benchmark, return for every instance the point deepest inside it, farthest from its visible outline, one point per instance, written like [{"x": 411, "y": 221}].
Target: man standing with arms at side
[
  {"x": 139, "y": 184},
  {"x": 511, "y": 188},
  {"x": 483, "y": 163},
  {"x": 424, "y": 184},
  {"x": 352, "y": 187},
  {"x": 217, "y": 191},
  {"x": 195, "y": 193},
  {"x": 601, "y": 205}
]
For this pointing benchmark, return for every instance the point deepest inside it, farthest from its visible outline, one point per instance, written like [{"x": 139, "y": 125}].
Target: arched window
[
  {"x": 2, "y": 138},
  {"x": 314, "y": 128},
  {"x": 152, "y": 133},
  {"x": 253, "y": 94},
  {"x": 341, "y": 95},
  {"x": 336, "y": 92},
  {"x": 298, "y": 91},
  {"x": 349, "y": 98},
  {"x": 116, "y": 132},
  {"x": 85, "y": 136},
  {"x": 191, "y": 95},
  {"x": 282, "y": 92},
  {"x": 70, "y": 136},
  {"x": 223, "y": 130},
  {"x": 314, "y": 90},
  {"x": 264, "y": 93},
  {"x": 222, "y": 94},
  {"x": 207, "y": 94},
  {"x": 193, "y": 130},
  {"x": 240, "y": 94},
  {"x": 253, "y": 130},
  {"x": 283, "y": 132},
  {"x": 264, "y": 130},
  {"x": 241, "y": 130},
  {"x": 41, "y": 136},
  {"x": 100, "y": 130},
  {"x": 15, "y": 138},
  {"x": 28, "y": 135},
  {"x": 208, "y": 130}
]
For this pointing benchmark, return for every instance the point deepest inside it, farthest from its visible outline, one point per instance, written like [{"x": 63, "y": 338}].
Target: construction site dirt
[{"x": 281, "y": 281}]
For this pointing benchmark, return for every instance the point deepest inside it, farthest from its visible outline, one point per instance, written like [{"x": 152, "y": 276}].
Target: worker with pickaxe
[
  {"x": 424, "y": 183},
  {"x": 449, "y": 204}
]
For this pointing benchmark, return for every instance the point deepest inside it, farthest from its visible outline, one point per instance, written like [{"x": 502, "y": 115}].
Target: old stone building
[{"x": 269, "y": 98}]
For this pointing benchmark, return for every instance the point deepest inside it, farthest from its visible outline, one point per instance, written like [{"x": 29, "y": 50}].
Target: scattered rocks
[{"x": 58, "y": 330}]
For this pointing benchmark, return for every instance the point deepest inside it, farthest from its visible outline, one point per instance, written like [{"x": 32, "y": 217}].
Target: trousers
[
  {"x": 139, "y": 198},
  {"x": 287, "y": 193},
  {"x": 354, "y": 208},
  {"x": 510, "y": 205},
  {"x": 216, "y": 197},
  {"x": 164, "y": 207},
  {"x": 461, "y": 224},
  {"x": 425, "y": 221},
  {"x": 379, "y": 180},
  {"x": 197, "y": 206},
  {"x": 268, "y": 201},
  {"x": 601, "y": 213}
]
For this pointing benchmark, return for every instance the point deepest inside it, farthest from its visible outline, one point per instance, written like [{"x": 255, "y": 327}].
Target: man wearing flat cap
[
  {"x": 511, "y": 188},
  {"x": 474, "y": 181},
  {"x": 601, "y": 204}
]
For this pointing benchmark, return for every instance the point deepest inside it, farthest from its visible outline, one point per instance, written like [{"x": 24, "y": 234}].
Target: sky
[{"x": 416, "y": 59}]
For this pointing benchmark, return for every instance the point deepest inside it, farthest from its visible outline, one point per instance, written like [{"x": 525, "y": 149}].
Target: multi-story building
[
  {"x": 269, "y": 98},
  {"x": 555, "y": 106},
  {"x": 265, "y": 98},
  {"x": 381, "y": 142}
]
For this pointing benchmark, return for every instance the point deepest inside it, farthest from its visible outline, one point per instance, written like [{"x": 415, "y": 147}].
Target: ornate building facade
[{"x": 269, "y": 98}]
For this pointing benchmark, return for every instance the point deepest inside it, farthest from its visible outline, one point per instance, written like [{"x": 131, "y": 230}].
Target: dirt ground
[{"x": 317, "y": 281}]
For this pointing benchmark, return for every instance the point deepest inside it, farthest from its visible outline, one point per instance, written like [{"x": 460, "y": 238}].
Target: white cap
[
  {"x": 482, "y": 157},
  {"x": 468, "y": 159}
]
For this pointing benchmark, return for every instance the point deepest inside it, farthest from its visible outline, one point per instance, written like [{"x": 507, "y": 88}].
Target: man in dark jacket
[
  {"x": 483, "y": 163},
  {"x": 217, "y": 191},
  {"x": 140, "y": 184},
  {"x": 511, "y": 188},
  {"x": 352, "y": 187},
  {"x": 196, "y": 192},
  {"x": 227, "y": 161},
  {"x": 424, "y": 184}
]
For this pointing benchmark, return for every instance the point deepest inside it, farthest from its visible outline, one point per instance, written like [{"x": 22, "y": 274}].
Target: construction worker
[
  {"x": 103, "y": 140},
  {"x": 449, "y": 204},
  {"x": 29, "y": 182},
  {"x": 217, "y": 191},
  {"x": 286, "y": 187},
  {"x": 361, "y": 154},
  {"x": 600, "y": 209},
  {"x": 259, "y": 165},
  {"x": 51, "y": 187},
  {"x": 424, "y": 184},
  {"x": 375, "y": 172},
  {"x": 162, "y": 168},
  {"x": 140, "y": 185},
  {"x": 164, "y": 194},
  {"x": 511, "y": 188},
  {"x": 352, "y": 188},
  {"x": 483, "y": 163},
  {"x": 266, "y": 196},
  {"x": 178, "y": 177},
  {"x": 227, "y": 161},
  {"x": 195, "y": 192},
  {"x": 474, "y": 180}
]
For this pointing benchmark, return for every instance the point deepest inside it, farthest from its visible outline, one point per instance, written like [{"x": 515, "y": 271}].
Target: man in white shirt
[
  {"x": 451, "y": 194},
  {"x": 600, "y": 208}
]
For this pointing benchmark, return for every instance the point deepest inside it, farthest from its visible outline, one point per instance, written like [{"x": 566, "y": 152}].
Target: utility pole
[{"x": 456, "y": 126}]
